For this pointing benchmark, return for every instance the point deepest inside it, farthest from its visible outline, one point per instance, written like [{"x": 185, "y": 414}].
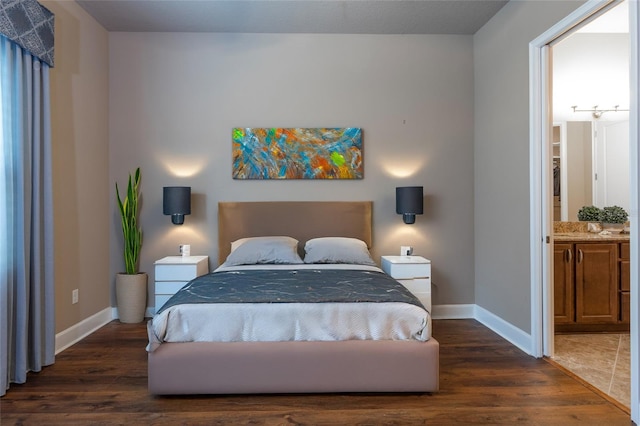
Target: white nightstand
[
  {"x": 414, "y": 272},
  {"x": 173, "y": 272}
]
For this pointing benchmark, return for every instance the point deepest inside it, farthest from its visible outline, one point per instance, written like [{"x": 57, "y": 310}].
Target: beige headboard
[{"x": 301, "y": 220}]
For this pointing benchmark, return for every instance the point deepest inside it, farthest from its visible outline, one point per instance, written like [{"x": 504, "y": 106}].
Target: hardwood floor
[{"x": 483, "y": 380}]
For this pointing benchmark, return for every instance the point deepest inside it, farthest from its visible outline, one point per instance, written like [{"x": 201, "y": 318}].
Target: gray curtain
[
  {"x": 27, "y": 329},
  {"x": 30, "y": 25}
]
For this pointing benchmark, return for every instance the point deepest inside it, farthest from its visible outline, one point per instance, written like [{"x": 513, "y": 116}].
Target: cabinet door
[
  {"x": 625, "y": 275},
  {"x": 625, "y": 307},
  {"x": 625, "y": 284},
  {"x": 563, "y": 299},
  {"x": 596, "y": 283}
]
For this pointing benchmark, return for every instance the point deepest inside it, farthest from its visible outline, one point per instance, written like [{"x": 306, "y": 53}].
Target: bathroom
[{"x": 590, "y": 150}]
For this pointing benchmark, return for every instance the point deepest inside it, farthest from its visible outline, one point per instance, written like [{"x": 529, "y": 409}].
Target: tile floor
[{"x": 601, "y": 359}]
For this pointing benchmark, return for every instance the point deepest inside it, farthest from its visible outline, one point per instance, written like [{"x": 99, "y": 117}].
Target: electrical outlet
[
  {"x": 74, "y": 296},
  {"x": 406, "y": 250}
]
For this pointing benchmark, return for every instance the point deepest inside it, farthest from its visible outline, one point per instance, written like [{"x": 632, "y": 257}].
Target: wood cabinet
[
  {"x": 588, "y": 286},
  {"x": 596, "y": 283},
  {"x": 625, "y": 283},
  {"x": 563, "y": 284}
]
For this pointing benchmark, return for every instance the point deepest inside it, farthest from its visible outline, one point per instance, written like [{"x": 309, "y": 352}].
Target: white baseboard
[
  {"x": 513, "y": 334},
  {"x": 79, "y": 331},
  {"x": 453, "y": 311},
  {"x": 148, "y": 313}
]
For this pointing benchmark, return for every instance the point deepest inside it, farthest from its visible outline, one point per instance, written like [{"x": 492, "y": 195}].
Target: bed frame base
[{"x": 294, "y": 367}]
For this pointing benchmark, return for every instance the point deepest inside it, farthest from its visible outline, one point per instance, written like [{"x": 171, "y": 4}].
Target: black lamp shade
[
  {"x": 176, "y": 201},
  {"x": 409, "y": 202}
]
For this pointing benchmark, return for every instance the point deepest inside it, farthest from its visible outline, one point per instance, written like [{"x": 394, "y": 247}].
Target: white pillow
[
  {"x": 337, "y": 250},
  {"x": 237, "y": 243},
  {"x": 260, "y": 250}
]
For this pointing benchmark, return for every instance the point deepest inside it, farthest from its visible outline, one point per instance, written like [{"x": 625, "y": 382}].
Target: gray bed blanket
[{"x": 292, "y": 286}]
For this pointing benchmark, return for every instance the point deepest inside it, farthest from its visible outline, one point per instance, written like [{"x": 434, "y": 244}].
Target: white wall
[
  {"x": 591, "y": 69},
  {"x": 174, "y": 99},
  {"x": 501, "y": 155}
]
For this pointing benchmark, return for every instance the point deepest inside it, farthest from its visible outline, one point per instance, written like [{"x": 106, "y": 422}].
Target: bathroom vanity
[{"x": 591, "y": 282}]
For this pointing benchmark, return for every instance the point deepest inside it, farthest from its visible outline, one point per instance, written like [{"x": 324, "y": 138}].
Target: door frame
[{"x": 541, "y": 223}]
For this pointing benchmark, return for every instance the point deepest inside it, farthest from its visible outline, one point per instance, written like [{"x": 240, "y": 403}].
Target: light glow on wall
[
  {"x": 403, "y": 167},
  {"x": 407, "y": 234},
  {"x": 184, "y": 234},
  {"x": 184, "y": 167}
]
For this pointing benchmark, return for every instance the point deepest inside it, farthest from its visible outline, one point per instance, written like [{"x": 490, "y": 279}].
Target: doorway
[
  {"x": 540, "y": 186},
  {"x": 590, "y": 93}
]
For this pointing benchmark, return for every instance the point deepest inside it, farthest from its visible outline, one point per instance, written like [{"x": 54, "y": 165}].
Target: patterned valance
[{"x": 29, "y": 24}]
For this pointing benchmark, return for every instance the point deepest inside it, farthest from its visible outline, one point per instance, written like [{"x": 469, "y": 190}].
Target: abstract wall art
[{"x": 297, "y": 153}]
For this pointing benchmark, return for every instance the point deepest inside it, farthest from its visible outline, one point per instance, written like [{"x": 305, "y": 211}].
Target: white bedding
[{"x": 260, "y": 322}]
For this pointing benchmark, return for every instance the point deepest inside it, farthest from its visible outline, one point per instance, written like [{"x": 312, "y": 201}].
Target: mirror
[{"x": 590, "y": 166}]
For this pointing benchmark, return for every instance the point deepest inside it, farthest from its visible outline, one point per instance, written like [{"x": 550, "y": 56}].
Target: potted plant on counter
[
  {"x": 131, "y": 285},
  {"x": 589, "y": 214},
  {"x": 613, "y": 218}
]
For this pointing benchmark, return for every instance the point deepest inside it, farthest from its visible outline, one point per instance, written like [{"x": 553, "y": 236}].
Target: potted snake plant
[{"x": 131, "y": 285}]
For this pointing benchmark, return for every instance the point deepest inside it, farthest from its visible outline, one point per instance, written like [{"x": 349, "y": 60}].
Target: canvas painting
[{"x": 297, "y": 153}]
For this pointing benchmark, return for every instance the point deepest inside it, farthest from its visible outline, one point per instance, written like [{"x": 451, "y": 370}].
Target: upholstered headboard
[{"x": 301, "y": 220}]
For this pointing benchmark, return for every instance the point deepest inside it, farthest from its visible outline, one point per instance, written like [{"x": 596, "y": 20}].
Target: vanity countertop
[
  {"x": 588, "y": 236},
  {"x": 577, "y": 231}
]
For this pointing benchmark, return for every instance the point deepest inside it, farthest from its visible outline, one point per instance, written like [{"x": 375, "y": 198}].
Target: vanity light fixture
[
  {"x": 597, "y": 112},
  {"x": 176, "y": 201},
  {"x": 409, "y": 202}
]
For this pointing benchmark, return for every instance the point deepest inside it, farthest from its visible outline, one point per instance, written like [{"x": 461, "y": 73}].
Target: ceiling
[{"x": 295, "y": 16}]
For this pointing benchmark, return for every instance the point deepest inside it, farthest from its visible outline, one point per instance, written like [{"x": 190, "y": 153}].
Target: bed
[{"x": 267, "y": 362}]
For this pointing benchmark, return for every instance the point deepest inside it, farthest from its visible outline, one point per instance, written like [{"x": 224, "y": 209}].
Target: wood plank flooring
[{"x": 483, "y": 380}]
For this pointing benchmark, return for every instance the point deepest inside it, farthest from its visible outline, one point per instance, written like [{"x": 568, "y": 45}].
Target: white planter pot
[
  {"x": 614, "y": 228},
  {"x": 131, "y": 297}
]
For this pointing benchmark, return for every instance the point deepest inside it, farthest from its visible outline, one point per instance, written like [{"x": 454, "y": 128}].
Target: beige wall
[
  {"x": 501, "y": 155},
  {"x": 579, "y": 167},
  {"x": 79, "y": 97},
  {"x": 174, "y": 99}
]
